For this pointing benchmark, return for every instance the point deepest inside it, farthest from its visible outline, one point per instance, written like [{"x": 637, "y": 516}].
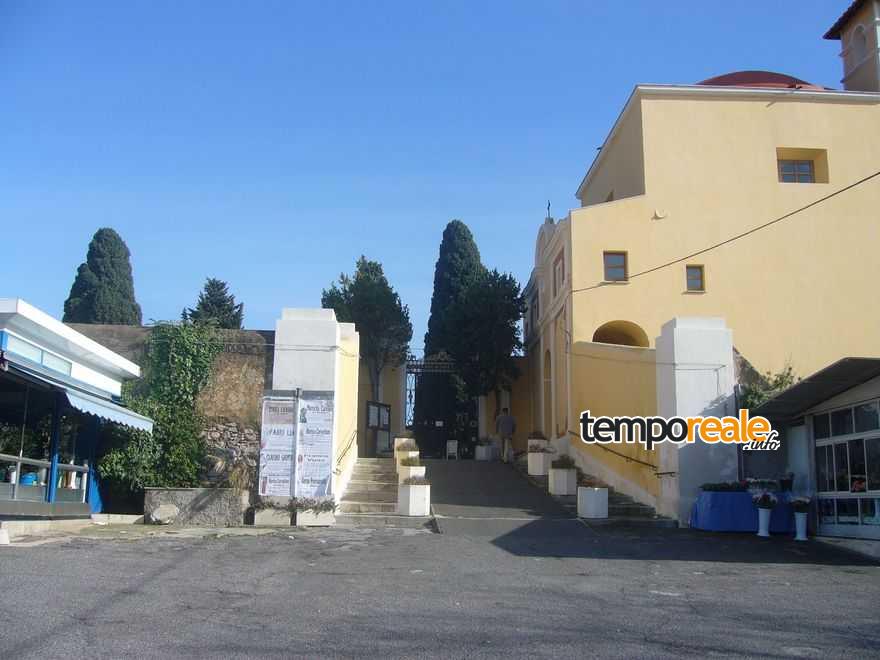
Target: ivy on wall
[{"x": 179, "y": 363}]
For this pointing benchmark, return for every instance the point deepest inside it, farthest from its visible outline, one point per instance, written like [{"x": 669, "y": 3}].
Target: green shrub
[
  {"x": 564, "y": 462},
  {"x": 416, "y": 481},
  {"x": 412, "y": 461}
]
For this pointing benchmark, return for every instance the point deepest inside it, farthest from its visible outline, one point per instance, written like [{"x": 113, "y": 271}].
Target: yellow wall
[
  {"x": 346, "y": 449},
  {"x": 615, "y": 380},
  {"x": 792, "y": 291},
  {"x": 391, "y": 393},
  {"x": 520, "y": 405}
]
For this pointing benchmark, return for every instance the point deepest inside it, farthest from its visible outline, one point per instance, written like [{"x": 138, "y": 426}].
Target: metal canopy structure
[{"x": 821, "y": 386}]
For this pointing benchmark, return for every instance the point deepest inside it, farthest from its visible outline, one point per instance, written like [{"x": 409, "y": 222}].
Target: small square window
[
  {"x": 615, "y": 267},
  {"x": 796, "y": 171},
  {"x": 696, "y": 280}
]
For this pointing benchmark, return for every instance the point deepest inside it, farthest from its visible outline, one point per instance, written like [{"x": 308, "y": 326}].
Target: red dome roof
[{"x": 758, "y": 79}]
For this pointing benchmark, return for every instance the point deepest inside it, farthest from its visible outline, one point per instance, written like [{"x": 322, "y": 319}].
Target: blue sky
[{"x": 271, "y": 143}]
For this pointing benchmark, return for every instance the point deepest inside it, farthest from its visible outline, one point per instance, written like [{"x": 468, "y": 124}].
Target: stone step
[
  {"x": 391, "y": 520},
  {"x": 367, "y": 484},
  {"x": 370, "y": 496},
  {"x": 367, "y": 507}
]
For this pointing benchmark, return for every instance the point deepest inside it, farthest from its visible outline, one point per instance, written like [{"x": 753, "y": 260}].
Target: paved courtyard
[{"x": 508, "y": 576}]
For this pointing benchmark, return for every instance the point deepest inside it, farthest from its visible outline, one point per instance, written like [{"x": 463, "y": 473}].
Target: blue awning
[{"x": 109, "y": 411}]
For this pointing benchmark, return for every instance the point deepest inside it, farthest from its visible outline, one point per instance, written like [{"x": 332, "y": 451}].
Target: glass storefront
[{"x": 847, "y": 459}]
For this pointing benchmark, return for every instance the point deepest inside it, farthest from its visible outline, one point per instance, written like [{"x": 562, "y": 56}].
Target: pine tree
[
  {"x": 458, "y": 266},
  {"x": 217, "y": 306},
  {"x": 103, "y": 290},
  {"x": 367, "y": 300}
]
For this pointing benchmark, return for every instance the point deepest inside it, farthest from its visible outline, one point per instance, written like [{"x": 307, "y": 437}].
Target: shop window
[
  {"x": 841, "y": 422},
  {"x": 848, "y": 511},
  {"x": 857, "y": 475},
  {"x": 615, "y": 266},
  {"x": 870, "y": 511},
  {"x": 821, "y": 426},
  {"x": 841, "y": 467},
  {"x": 827, "y": 513},
  {"x": 824, "y": 468},
  {"x": 867, "y": 417},
  {"x": 872, "y": 460}
]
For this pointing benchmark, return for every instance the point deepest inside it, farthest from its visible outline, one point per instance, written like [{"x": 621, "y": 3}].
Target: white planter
[
  {"x": 407, "y": 471},
  {"x": 414, "y": 500},
  {"x": 312, "y": 519},
  {"x": 563, "y": 481},
  {"x": 540, "y": 442},
  {"x": 452, "y": 449},
  {"x": 400, "y": 441},
  {"x": 483, "y": 453},
  {"x": 764, "y": 522},
  {"x": 400, "y": 455},
  {"x": 539, "y": 463},
  {"x": 800, "y": 524},
  {"x": 272, "y": 518},
  {"x": 592, "y": 502}
]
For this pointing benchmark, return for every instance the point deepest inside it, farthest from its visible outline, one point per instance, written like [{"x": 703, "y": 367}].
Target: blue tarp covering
[
  {"x": 109, "y": 411},
  {"x": 735, "y": 512}
]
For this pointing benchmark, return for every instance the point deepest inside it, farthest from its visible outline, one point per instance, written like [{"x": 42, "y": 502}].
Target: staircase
[
  {"x": 622, "y": 509},
  {"x": 372, "y": 488}
]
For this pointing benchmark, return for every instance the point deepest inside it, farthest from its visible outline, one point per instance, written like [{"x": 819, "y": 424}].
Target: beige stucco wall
[
  {"x": 615, "y": 380},
  {"x": 790, "y": 292},
  {"x": 346, "y": 423}
]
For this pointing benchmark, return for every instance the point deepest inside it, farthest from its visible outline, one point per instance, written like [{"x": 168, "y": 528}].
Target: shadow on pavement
[{"x": 542, "y": 539}]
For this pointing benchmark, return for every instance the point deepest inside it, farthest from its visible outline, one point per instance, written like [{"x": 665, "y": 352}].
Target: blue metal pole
[
  {"x": 94, "y": 495},
  {"x": 52, "y": 484}
]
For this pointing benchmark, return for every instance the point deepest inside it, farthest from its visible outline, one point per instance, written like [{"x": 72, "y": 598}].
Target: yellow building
[{"x": 686, "y": 168}]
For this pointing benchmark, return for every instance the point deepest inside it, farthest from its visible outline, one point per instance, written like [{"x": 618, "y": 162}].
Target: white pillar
[{"x": 695, "y": 376}]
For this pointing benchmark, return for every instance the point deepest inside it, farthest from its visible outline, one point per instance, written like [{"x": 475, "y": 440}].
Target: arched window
[{"x": 623, "y": 333}]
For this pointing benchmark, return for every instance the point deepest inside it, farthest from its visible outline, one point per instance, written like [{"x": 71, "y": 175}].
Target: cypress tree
[
  {"x": 103, "y": 289},
  {"x": 216, "y": 305},
  {"x": 458, "y": 266}
]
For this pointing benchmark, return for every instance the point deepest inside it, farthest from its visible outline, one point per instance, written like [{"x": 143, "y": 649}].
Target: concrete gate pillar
[{"x": 695, "y": 376}]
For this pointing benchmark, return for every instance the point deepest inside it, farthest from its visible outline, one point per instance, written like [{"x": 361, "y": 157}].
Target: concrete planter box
[
  {"x": 272, "y": 518},
  {"x": 400, "y": 440},
  {"x": 407, "y": 471},
  {"x": 539, "y": 463},
  {"x": 414, "y": 500},
  {"x": 592, "y": 502},
  {"x": 400, "y": 455},
  {"x": 563, "y": 481},
  {"x": 311, "y": 519},
  {"x": 541, "y": 442},
  {"x": 196, "y": 507},
  {"x": 483, "y": 453}
]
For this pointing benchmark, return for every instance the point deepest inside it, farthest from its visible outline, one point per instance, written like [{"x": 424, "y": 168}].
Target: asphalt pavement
[{"x": 509, "y": 576}]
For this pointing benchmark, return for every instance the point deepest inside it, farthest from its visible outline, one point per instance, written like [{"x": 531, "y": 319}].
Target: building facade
[{"x": 747, "y": 197}]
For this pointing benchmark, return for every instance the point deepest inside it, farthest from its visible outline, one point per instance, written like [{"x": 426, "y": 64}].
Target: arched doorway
[
  {"x": 548, "y": 395},
  {"x": 623, "y": 333}
]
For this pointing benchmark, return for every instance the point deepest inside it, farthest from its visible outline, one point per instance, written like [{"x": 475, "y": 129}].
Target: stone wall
[
  {"x": 198, "y": 507},
  {"x": 228, "y": 442}
]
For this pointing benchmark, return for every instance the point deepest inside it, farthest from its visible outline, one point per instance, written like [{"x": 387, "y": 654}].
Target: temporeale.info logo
[{"x": 753, "y": 433}]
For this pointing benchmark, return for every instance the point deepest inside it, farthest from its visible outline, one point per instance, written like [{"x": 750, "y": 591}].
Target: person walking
[{"x": 505, "y": 427}]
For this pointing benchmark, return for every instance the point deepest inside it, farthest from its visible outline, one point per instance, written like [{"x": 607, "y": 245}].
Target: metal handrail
[{"x": 25, "y": 461}]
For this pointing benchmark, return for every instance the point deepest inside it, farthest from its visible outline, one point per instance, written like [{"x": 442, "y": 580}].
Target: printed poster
[
  {"x": 277, "y": 446},
  {"x": 314, "y": 448}
]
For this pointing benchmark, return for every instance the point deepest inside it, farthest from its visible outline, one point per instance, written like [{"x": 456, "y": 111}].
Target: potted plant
[
  {"x": 537, "y": 438},
  {"x": 801, "y": 508},
  {"x": 409, "y": 468},
  {"x": 414, "y": 497},
  {"x": 539, "y": 459},
  {"x": 408, "y": 449},
  {"x": 765, "y": 503},
  {"x": 563, "y": 476},
  {"x": 271, "y": 512},
  {"x": 483, "y": 450},
  {"x": 314, "y": 512},
  {"x": 786, "y": 482}
]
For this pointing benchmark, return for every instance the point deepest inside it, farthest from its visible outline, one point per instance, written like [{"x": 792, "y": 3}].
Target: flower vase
[{"x": 764, "y": 522}]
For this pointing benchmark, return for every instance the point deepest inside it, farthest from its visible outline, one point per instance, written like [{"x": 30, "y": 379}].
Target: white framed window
[
  {"x": 847, "y": 465},
  {"x": 33, "y": 353}
]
